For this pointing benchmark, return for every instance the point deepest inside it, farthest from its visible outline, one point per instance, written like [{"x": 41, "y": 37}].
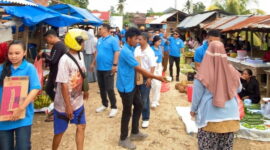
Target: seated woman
[{"x": 251, "y": 88}]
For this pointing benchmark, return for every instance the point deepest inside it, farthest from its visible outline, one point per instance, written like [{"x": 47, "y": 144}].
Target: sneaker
[
  {"x": 157, "y": 103},
  {"x": 101, "y": 109},
  {"x": 113, "y": 113},
  {"x": 154, "y": 105},
  {"x": 127, "y": 144},
  {"x": 145, "y": 124},
  {"x": 137, "y": 137},
  {"x": 177, "y": 78}
]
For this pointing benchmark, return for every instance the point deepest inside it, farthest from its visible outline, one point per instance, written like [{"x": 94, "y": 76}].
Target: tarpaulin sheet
[
  {"x": 31, "y": 16},
  {"x": 71, "y": 10},
  {"x": 253, "y": 134}
]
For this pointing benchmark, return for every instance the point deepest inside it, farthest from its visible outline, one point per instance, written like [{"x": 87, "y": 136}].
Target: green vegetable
[
  {"x": 260, "y": 127},
  {"x": 254, "y": 122},
  {"x": 247, "y": 125},
  {"x": 254, "y": 106}
]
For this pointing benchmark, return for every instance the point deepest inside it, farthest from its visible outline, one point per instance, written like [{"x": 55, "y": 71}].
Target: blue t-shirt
[
  {"x": 166, "y": 46},
  {"x": 163, "y": 41},
  {"x": 117, "y": 37},
  {"x": 200, "y": 52},
  {"x": 161, "y": 35},
  {"x": 123, "y": 33},
  {"x": 25, "y": 69},
  {"x": 158, "y": 53},
  {"x": 106, "y": 47},
  {"x": 175, "y": 46},
  {"x": 126, "y": 73}
]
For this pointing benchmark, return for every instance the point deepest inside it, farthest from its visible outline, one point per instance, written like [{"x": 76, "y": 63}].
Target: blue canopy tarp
[
  {"x": 77, "y": 12},
  {"x": 31, "y": 16}
]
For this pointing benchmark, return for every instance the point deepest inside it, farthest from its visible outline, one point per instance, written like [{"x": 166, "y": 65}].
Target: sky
[{"x": 159, "y": 5}]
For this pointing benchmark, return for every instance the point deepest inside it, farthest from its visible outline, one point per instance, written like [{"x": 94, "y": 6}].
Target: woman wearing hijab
[{"x": 214, "y": 104}]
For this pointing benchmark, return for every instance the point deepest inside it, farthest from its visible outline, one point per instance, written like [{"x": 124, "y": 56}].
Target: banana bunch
[{"x": 42, "y": 101}]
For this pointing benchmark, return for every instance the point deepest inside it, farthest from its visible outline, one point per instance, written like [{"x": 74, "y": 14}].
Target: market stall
[
  {"x": 257, "y": 67},
  {"x": 253, "y": 33}
]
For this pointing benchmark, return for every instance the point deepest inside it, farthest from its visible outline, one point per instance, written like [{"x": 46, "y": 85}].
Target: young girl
[
  {"x": 156, "y": 85},
  {"x": 16, "y": 133}
]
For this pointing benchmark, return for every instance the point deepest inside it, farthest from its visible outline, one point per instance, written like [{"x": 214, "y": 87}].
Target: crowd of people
[{"x": 139, "y": 59}]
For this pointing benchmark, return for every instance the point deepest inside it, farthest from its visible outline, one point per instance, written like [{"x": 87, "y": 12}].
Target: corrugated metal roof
[
  {"x": 148, "y": 20},
  {"x": 163, "y": 18},
  {"x": 266, "y": 22},
  {"x": 233, "y": 22},
  {"x": 246, "y": 23},
  {"x": 17, "y": 2},
  {"x": 219, "y": 22},
  {"x": 193, "y": 21},
  {"x": 261, "y": 25}
]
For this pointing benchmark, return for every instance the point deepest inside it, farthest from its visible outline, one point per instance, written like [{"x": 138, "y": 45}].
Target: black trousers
[
  {"x": 177, "y": 62},
  {"x": 129, "y": 99},
  {"x": 50, "y": 85},
  {"x": 106, "y": 87}
]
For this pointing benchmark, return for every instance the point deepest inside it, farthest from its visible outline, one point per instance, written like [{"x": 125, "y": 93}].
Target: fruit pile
[
  {"x": 42, "y": 101},
  {"x": 182, "y": 86},
  {"x": 185, "y": 68},
  {"x": 189, "y": 54}
]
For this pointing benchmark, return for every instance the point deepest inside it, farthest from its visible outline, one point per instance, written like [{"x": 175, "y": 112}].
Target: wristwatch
[{"x": 114, "y": 64}]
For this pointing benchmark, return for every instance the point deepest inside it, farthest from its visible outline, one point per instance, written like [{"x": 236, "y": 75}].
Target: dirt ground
[{"x": 166, "y": 130}]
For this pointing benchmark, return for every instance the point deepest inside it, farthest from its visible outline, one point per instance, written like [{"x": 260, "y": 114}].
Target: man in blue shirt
[
  {"x": 106, "y": 64},
  {"x": 176, "y": 47},
  {"x": 212, "y": 35},
  {"x": 129, "y": 92},
  {"x": 123, "y": 33}
]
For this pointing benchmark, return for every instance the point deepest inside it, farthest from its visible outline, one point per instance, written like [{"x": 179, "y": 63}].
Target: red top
[
  {"x": 3, "y": 51},
  {"x": 266, "y": 56}
]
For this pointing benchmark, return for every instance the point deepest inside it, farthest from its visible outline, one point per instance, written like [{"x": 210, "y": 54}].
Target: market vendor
[{"x": 250, "y": 90}]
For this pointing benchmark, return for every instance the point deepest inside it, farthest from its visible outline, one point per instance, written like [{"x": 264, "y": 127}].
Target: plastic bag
[
  {"x": 266, "y": 110},
  {"x": 38, "y": 65},
  {"x": 240, "y": 107}
]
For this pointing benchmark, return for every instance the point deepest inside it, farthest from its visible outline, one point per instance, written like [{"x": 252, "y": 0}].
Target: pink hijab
[{"x": 217, "y": 75}]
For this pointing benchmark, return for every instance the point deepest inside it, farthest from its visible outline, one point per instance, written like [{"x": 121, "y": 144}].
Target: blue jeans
[
  {"x": 22, "y": 139},
  {"x": 145, "y": 92}
]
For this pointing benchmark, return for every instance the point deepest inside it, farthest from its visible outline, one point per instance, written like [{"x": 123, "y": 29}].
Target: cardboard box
[{"x": 15, "y": 91}]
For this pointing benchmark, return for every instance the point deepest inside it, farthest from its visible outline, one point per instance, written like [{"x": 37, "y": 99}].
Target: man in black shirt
[{"x": 58, "y": 50}]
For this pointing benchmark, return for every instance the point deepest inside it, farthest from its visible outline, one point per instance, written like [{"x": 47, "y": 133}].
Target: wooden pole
[
  {"x": 246, "y": 40},
  {"x": 17, "y": 33},
  {"x": 177, "y": 21},
  {"x": 26, "y": 38},
  {"x": 252, "y": 43}
]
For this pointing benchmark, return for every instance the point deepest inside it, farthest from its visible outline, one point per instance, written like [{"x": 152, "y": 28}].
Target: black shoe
[
  {"x": 177, "y": 78},
  {"x": 172, "y": 78}
]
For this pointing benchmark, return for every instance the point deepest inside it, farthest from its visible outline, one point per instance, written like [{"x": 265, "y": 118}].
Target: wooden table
[
  {"x": 268, "y": 83},
  {"x": 258, "y": 71}
]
